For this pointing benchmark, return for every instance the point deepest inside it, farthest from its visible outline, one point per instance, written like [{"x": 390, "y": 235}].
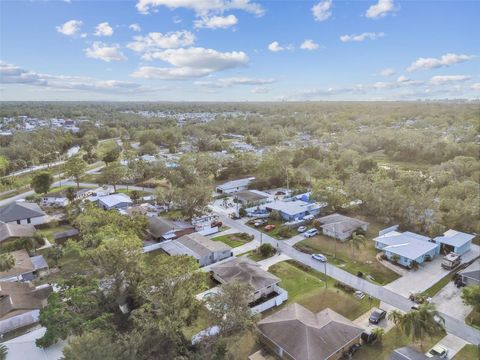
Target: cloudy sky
[{"x": 222, "y": 50}]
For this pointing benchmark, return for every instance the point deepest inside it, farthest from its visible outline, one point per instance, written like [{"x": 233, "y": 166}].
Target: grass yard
[
  {"x": 129, "y": 192},
  {"x": 278, "y": 233},
  {"x": 468, "y": 352},
  {"x": 391, "y": 341},
  {"x": 434, "y": 289},
  {"x": 473, "y": 319},
  {"x": 307, "y": 287},
  {"x": 234, "y": 240},
  {"x": 173, "y": 215},
  {"x": 254, "y": 255}
]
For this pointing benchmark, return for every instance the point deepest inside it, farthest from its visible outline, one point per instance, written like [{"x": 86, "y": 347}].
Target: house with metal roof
[
  {"x": 22, "y": 212},
  {"x": 292, "y": 210},
  {"x": 114, "y": 201},
  {"x": 406, "y": 248},
  {"x": 296, "y": 333},
  {"x": 263, "y": 284},
  {"x": 10, "y": 232},
  {"x": 206, "y": 251},
  {"x": 454, "y": 241},
  {"x": 234, "y": 186},
  {"x": 407, "y": 353},
  {"x": 340, "y": 226}
]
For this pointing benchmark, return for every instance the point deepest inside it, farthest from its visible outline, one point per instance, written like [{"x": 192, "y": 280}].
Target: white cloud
[
  {"x": 322, "y": 11},
  {"x": 404, "y": 81},
  {"x": 105, "y": 52},
  {"x": 387, "y": 72},
  {"x": 276, "y": 47},
  {"x": 202, "y": 7},
  {"x": 12, "y": 74},
  {"x": 445, "y": 60},
  {"x": 191, "y": 63},
  {"x": 229, "y": 82},
  {"x": 309, "y": 45},
  {"x": 216, "y": 22},
  {"x": 156, "y": 41},
  {"x": 380, "y": 9},
  {"x": 361, "y": 37},
  {"x": 260, "y": 90},
  {"x": 448, "y": 79},
  {"x": 475, "y": 87},
  {"x": 103, "y": 29},
  {"x": 70, "y": 28},
  {"x": 135, "y": 27}
]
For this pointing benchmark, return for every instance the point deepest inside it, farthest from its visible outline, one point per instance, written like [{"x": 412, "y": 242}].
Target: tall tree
[
  {"x": 329, "y": 191},
  {"x": 357, "y": 240},
  {"x": 41, "y": 183},
  {"x": 471, "y": 296},
  {"x": 75, "y": 167},
  {"x": 114, "y": 174}
]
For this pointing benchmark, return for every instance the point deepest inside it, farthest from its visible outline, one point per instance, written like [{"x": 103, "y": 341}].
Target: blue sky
[{"x": 223, "y": 50}]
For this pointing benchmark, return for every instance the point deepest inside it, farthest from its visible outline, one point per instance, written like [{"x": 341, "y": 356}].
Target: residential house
[
  {"x": 454, "y": 241},
  {"x": 234, "y": 186},
  {"x": 63, "y": 236},
  {"x": 340, "y": 226},
  {"x": 10, "y": 231},
  {"x": 206, "y": 251},
  {"x": 163, "y": 229},
  {"x": 406, "y": 248},
  {"x": 471, "y": 275},
  {"x": 292, "y": 210},
  {"x": 22, "y": 212},
  {"x": 114, "y": 201},
  {"x": 20, "y": 304},
  {"x": 26, "y": 268},
  {"x": 407, "y": 353},
  {"x": 58, "y": 198},
  {"x": 264, "y": 285},
  {"x": 296, "y": 333},
  {"x": 250, "y": 198}
]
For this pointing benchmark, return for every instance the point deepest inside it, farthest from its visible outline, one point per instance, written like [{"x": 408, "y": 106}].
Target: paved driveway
[
  {"x": 449, "y": 301},
  {"x": 385, "y": 324},
  {"x": 453, "y": 344},
  {"x": 265, "y": 264}
]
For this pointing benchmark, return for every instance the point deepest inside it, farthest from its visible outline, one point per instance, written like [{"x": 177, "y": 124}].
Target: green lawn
[
  {"x": 275, "y": 233},
  {"x": 473, "y": 319},
  {"x": 468, "y": 352},
  {"x": 49, "y": 232},
  {"x": 234, "y": 240},
  {"x": 254, "y": 255},
  {"x": 362, "y": 259},
  {"x": 391, "y": 341},
  {"x": 129, "y": 192},
  {"x": 434, "y": 289},
  {"x": 307, "y": 287}
]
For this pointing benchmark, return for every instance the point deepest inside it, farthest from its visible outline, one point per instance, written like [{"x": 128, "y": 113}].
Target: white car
[
  {"x": 302, "y": 229},
  {"x": 437, "y": 352},
  {"x": 310, "y": 233},
  {"x": 319, "y": 257}
]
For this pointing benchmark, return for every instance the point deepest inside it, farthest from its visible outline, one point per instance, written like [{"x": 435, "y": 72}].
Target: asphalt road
[{"x": 452, "y": 325}]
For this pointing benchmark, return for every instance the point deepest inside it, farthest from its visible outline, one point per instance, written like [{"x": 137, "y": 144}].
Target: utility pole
[{"x": 326, "y": 278}]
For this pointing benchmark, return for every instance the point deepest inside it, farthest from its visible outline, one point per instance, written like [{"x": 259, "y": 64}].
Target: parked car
[
  {"x": 377, "y": 316},
  {"x": 438, "y": 352},
  {"x": 308, "y": 217},
  {"x": 310, "y": 233},
  {"x": 368, "y": 337},
  {"x": 319, "y": 257},
  {"x": 216, "y": 224},
  {"x": 353, "y": 349},
  {"x": 259, "y": 222},
  {"x": 269, "y": 227},
  {"x": 302, "y": 229}
]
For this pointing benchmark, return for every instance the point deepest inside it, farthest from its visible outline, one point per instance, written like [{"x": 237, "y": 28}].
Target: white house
[
  {"x": 340, "y": 226},
  {"x": 55, "y": 199},
  {"x": 231, "y": 187},
  {"x": 115, "y": 201},
  {"x": 22, "y": 212}
]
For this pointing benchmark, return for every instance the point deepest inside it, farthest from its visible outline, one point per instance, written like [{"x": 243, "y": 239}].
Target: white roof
[
  {"x": 408, "y": 245},
  {"x": 454, "y": 238},
  {"x": 115, "y": 199},
  {"x": 293, "y": 208},
  {"x": 23, "y": 347},
  {"x": 235, "y": 183}
]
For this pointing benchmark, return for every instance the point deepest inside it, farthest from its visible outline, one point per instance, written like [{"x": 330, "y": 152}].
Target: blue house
[
  {"x": 406, "y": 247},
  {"x": 294, "y": 209},
  {"x": 454, "y": 241}
]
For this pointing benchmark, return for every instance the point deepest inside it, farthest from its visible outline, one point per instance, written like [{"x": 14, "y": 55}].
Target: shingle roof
[
  {"x": 23, "y": 265},
  {"x": 406, "y": 245},
  {"x": 407, "y": 353},
  {"x": 200, "y": 245},
  {"x": 244, "y": 270},
  {"x": 308, "y": 336},
  {"x": 454, "y": 238},
  {"x": 8, "y": 231},
  {"x": 341, "y": 223},
  {"x": 16, "y": 296},
  {"x": 19, "y": 211},
  {"x": 66, "y": 234},
  {"x": 158, "y": 226}
]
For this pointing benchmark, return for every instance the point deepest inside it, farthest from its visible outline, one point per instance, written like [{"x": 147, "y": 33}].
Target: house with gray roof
[
  {"x": 407, "y": 247},
  {"x": 26, "y": 268},
  {"x": 22, "y": 212},
  {"x": 248, "y": 272},
  {"x": 291, "y": 210},
  {"x": 471, "y": 275},
  {"x": 206, "y": 251},
  {"x": 249, "y": 198},
  {"x": 10, "y": 232},
  {"x": 163, "y": 229},
  {"x": 234, "y": 186},
  {"x": 407, "y": 353},
  {"x": 114, "y": 201},
  {"x": 340, "y": 226},
  {"x": 296, "y": 333},
  {"x": 454, "y": 241}
]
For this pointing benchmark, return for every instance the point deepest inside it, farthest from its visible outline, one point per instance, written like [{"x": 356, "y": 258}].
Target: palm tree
[
  {"x": 3, "y": 351},
  {"x": 420, "y": 323},
  {"x": 357, "y": 241},
  {"x": 7, "y": 261}
]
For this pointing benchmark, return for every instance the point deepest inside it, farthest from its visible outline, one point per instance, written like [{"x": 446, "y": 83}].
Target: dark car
[
  {"x": 377, "y": 316},
  {"x": 368, "y": 337}
]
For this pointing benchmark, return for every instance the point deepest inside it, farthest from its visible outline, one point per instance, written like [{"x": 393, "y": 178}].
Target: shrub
[
  {"x": 266, "y": 250},
  {"x": 344, "y": 287}
]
